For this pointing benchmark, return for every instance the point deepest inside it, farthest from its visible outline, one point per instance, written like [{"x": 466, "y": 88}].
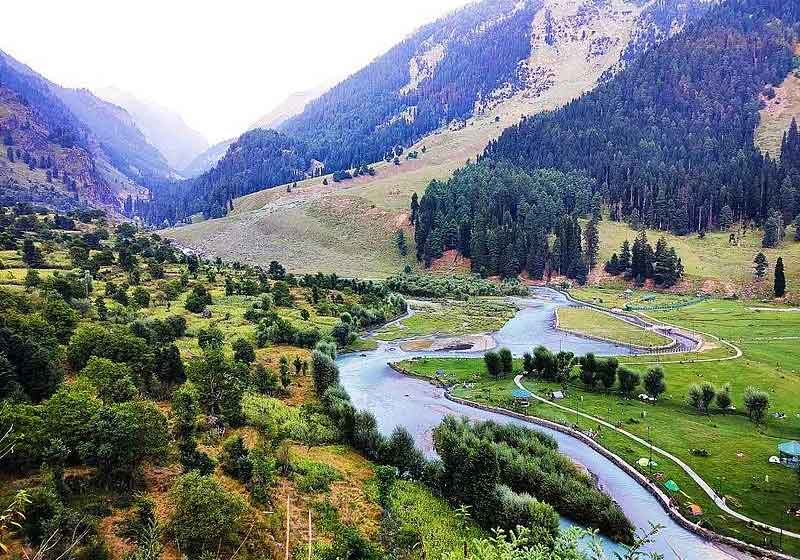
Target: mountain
[
  {"x": 206, "y": 159},
  {"x": 667, "y": 143},
  {"x": 67, "y": 148},
  {"x": 293, "y": 105},
  {"x": 282, "y": 159},
  {"x": 351, "y": 226},
  {"x": 163, "y": 128},
  {"x": 289, "y": 107},
  {"x": 472, "y": 62}
]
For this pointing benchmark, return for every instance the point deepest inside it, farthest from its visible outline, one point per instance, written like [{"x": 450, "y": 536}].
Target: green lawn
[
  {"x": 602, "y": 325},
  {"x": 449, "y": 318},
  {"x": 612, "y": 295},
  {"x": 738, "y": 449}
]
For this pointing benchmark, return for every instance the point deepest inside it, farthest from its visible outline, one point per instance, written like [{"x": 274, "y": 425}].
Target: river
[{"x": 398, "y": 400}]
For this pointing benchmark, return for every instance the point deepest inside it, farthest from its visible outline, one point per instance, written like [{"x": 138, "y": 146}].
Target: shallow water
[{"x": 397, "y": 400}]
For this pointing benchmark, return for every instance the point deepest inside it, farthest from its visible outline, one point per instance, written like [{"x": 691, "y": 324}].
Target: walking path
[
  {"x": 719, "y": 501},
  {"x": 652, "y": 322}
]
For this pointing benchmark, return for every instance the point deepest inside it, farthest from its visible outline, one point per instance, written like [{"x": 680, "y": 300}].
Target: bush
[
  {"x": 243, "y": 351},
  {"x": 494, "y": 365},
  {"x": 313, "y": 477},
  {"x": 235, "y": 460},
  {"x": 210, "y": 338},
  {"x": 325, "y": 371},
  {"x": 205, "y": 513}
]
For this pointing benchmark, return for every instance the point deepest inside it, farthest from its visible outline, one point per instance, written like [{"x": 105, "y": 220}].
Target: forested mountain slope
[
  {"x": 570, "y": 45},
  {"x": 670, "y": 139},
  {"x": 50, "y": 156}
]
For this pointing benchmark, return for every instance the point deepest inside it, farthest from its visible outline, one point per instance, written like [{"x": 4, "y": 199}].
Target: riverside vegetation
[{"x": 155, "y": 403}]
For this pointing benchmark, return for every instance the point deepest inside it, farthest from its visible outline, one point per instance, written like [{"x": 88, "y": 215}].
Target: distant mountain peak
[{"x": 164, "y": 128}]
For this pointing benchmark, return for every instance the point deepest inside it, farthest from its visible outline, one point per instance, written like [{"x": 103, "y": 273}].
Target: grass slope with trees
[{"x": 156, "y": 405}]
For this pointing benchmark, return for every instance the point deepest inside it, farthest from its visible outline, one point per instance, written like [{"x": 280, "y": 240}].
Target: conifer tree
[
  {"x": 592, "y": 238},
  {"x": 760, "y": 265},
  {"x": 780, "y": 278}
]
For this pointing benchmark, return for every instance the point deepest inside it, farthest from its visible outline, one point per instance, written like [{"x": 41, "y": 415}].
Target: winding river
[{"x": 395, "y": 400}]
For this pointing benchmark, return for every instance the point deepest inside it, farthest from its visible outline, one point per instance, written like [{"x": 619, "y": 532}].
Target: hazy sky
[{"x": 220, "y": 64}]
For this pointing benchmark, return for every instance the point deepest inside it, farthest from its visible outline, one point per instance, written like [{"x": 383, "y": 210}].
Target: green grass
[
  {"x": 602, "y": 325},
  {"x": 430, "y": 519},
  {"x": 611, "y": 295},
  {"x": 450, "y": 318},
  {"x": 768, "y": 363},
  {"x": 712, "y": 264}
]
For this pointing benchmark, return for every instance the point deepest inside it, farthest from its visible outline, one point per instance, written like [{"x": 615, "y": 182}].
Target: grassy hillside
[
  {"x": 778, "y": 112},
  {"x": 712, "y": 264}
]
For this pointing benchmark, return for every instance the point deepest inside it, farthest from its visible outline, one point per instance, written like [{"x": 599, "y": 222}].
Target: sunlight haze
[{"x": 221, "y": 69}]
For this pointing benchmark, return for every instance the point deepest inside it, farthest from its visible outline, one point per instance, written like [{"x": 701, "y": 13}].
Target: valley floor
[{"x": 727, "y": 449}]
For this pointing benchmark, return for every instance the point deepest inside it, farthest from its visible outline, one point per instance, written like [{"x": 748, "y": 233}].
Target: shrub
[
  {"x": 325, "y": 371},
  {"x": 243, "y": 351},
  {"x": 506, "y": 361},
  {"x": 494, "y": 365},
  {"x": 313, "y": 477},
  {"x": 205, "y": 513}
]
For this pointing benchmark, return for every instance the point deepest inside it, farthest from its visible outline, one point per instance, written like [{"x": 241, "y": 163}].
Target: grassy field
[
  {"x": 712, "y": 264},
  {"x": 612, "y": 295},
  {"x": 737, "y": 449},
  {"x": 431, "y": 520},
  {"x": 449, "y": 318},
  {"x": 602, "y": 325}
]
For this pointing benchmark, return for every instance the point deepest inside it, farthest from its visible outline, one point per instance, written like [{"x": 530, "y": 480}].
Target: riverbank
[{"x": 590, "y": 439}]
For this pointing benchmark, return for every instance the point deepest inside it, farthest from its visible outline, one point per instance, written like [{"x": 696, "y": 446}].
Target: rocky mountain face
[{"x": 52, "y": 156}]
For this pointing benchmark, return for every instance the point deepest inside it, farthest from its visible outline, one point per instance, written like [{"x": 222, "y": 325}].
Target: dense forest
[
  {"x": 259, "y": 158},
  {"x": 669, "y": 141},
  {"x": 466, "y": 56}
]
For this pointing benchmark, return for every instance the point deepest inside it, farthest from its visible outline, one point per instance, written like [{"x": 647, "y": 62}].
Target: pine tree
[
  {"x": 760, "y": 265},
  {"x": 592, "y": 238},
  {"x": 773, "y": 230},
  {"x": 725, "y": 218},
  {"x": 625, "y": 256},
  {"x": 780, "y": 278}
]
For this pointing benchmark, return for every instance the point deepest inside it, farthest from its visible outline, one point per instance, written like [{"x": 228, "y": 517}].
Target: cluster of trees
[
  {"x": 513, "y": 476},
  {"x": 502, "y": 217},
  {"x": 640, "y": 262},
  {"x": 701, "y": 396},
  {"x": 457, "y": 287},
  {"x": 669, "y": 140}
]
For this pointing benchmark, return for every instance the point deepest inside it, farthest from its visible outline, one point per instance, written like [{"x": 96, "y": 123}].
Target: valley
[{"x": 521, "y": 284}]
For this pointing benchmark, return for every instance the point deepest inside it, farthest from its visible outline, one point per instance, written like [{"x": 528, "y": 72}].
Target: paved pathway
[{"x": 719, "y": 501}]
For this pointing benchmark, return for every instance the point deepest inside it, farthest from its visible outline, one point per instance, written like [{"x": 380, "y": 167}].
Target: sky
[{"x": 220, "y": 65}]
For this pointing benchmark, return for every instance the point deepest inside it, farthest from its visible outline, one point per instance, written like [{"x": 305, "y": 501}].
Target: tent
[
  {"x": 521, "y": 394},
  {"x": 644, "y": 462},
  {"x": 789, "y": 450},
  {"x": 671, "y": 486}
]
